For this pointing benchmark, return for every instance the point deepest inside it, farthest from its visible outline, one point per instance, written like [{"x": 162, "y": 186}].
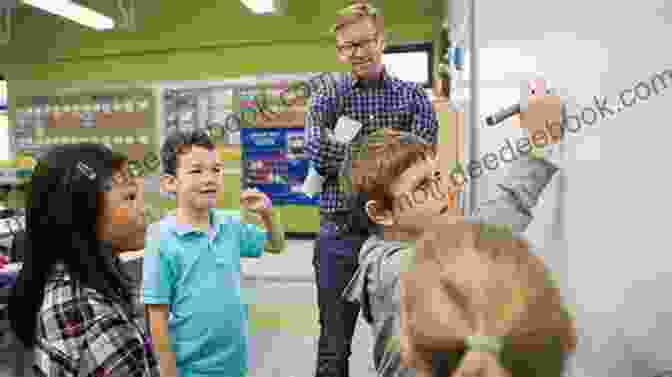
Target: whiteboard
[{"x": 408, "y": 66}]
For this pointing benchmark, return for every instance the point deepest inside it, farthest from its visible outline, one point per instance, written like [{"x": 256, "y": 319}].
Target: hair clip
[
  {"x": 496, "y": 231},
  {"x": 507, "y": 312},
  {"x": 107, "y": 186},
  {"x": 484, "y": 343},
  {"x": 87, "y": 171}
]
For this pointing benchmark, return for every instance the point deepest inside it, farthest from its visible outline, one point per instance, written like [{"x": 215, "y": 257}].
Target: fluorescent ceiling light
[
  {"x": 260, "y": 6},
  {"x": 74, "y": 12}
]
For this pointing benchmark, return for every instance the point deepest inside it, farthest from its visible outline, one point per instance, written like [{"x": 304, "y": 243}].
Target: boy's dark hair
[
  {"x": 63, "y": 206},
  {"x": 181, "y": 142}
]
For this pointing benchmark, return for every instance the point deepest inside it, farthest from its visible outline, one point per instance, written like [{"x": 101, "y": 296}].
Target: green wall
[
  {"x": 195, "y": 40},
  {"x": 204, "y": 40}
]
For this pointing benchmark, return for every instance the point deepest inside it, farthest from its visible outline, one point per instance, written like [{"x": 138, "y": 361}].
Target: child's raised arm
[
  {"x": 276, "y": 243},
  {"x": 253, "y": 238},
  {"x": 519, "y": 193}
]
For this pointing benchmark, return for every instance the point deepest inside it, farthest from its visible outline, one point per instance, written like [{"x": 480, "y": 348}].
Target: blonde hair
[
  {"x": 357, "y": 10},
  {"x": 469, "y": 279}
]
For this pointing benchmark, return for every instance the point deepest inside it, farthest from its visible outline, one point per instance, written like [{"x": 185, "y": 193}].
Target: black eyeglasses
[{"x": 349, "y": 48}]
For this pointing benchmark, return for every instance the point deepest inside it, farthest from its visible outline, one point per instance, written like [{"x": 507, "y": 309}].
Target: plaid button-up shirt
[
  {"x": 386, "y": 103},
  {"x": 80, "y": 333}
]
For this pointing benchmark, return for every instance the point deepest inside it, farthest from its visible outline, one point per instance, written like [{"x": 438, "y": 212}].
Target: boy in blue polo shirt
[{"x": 191, "y": 272}]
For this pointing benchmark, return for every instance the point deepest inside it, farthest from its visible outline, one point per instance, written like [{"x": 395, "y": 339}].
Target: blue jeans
[{"x": 335, "y": 261}]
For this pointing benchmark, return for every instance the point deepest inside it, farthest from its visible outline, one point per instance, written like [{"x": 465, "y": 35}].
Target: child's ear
[{"x": 379, "y": 215}]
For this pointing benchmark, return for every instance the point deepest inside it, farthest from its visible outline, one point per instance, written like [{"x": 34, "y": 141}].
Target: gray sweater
[{"x": 375, "y": 284}]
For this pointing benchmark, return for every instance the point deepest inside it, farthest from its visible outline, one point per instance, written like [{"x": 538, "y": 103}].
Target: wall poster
[
  {"x": 264, "y": 117},
  {"x": 122, "y": 119}
]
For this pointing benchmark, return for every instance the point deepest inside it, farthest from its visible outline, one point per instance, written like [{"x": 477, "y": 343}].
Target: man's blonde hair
[{"x": 357, "y": 10}]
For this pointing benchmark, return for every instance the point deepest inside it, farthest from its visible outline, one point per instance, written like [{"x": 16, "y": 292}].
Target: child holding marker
[
  {"x": 192, "y": 267},
  {"x": 388, "y": 180}
]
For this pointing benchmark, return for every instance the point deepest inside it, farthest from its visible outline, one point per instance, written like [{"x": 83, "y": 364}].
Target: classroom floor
[
  {"x": 283, "y": 319},
  {"x": 286, "y": 348}
]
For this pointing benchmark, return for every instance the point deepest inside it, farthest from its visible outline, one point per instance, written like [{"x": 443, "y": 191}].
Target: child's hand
[
  {"x": 542, "y": 120},
  {"x": 256, "y": 201}
]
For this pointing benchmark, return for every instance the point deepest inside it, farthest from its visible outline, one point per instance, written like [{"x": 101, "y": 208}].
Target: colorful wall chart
[
  {"x": 253, "y": 128},
  {"x": 275, "y": 163},
  {"x": 273, "y": 145},
  {"x": 123, "y": 120}
]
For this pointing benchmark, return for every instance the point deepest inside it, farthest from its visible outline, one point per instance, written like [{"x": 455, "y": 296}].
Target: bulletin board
[
  {"x": 253, "y": 130},
  {"x": 273, "y": 145},
  {"x": 125, "y": 120}
]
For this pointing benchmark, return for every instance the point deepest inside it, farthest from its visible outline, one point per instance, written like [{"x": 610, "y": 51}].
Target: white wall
[{"x": 617, "y": 268}]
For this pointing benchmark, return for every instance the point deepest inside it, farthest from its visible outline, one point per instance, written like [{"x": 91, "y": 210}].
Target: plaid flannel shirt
[
  {"x": 80, "y": 333},
  {"x": 387, "y": 103}
]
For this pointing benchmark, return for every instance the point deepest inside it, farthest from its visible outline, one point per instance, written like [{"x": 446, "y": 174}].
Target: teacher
[{"x": 369, "y": 99}]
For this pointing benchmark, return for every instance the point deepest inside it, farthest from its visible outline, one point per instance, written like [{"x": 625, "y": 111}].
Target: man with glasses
[{"x": 367, "y": 100}]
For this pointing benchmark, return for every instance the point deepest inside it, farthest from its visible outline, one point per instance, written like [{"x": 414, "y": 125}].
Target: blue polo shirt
[{"x": 198, "y": 276}]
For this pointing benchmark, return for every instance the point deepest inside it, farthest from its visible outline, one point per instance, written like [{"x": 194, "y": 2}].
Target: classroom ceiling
[{"x": 40, "y": 37}]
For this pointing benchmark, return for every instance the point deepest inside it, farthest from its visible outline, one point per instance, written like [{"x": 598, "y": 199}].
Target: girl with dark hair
[{"x": 72, "y": 304}]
